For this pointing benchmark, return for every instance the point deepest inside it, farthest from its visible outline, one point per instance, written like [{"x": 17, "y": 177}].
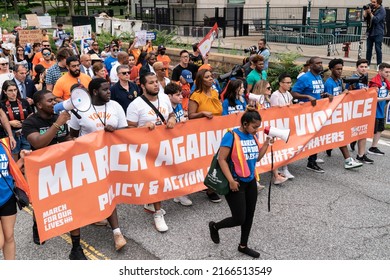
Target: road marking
[{"x": 90, "y": 252}]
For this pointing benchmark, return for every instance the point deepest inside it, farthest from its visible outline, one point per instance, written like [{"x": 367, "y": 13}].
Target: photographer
[
  {"x": 264, "y": 52},
  {"x": 375, "y": 16}
]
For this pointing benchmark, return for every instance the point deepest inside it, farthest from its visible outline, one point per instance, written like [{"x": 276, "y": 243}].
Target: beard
[
  {"x": 152, "y": 93},
  {"x": 75, "y": 73}
]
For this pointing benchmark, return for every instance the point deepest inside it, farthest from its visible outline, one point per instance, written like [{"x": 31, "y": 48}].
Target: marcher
[
  {"x": 110, "y": 118},
  {"x": 43, "y": 129},
  {"x": 234, "y": 101},
  {"x": 242, "y": 196}
]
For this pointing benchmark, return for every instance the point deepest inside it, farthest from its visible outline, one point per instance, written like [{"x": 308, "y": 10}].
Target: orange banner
[{"x": 76, "y": 183}]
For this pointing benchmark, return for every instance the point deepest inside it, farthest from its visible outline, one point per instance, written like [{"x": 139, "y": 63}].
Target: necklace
[{"x": 105, "y": 114}]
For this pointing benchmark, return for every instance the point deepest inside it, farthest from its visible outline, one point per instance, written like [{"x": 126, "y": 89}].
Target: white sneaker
[
  {"x": 260, "y": 187},
  {"x": 150, "y": 208},
  {"x": 286, "y": 173},
  {"x": 320, "y": 160},
  {"x": 183, "y": 200},
  {"x": 159, "y": 221},
  {"x": 351, "y": 163}
]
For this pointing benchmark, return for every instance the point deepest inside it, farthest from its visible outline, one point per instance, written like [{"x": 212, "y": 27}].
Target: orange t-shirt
[
  {"x": 62, "y": 86},
  {"x": 45, "y": 64},
  {"x": 136, "y": 53}
]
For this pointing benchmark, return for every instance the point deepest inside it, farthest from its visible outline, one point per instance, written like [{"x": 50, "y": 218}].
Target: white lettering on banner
[
  {"x": 51, "y": 181},
  {"x": 181, "y": 149},
  {"x": 57, "y": 216},
  {"x": 119, "y": 190},
  {"x": 183, "y": 180},
  {"x": 83, "y": 164},
  {"x": 313, "y": 122}
]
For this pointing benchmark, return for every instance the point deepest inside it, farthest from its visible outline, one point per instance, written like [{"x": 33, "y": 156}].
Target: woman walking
[{"x": 242, "y": 196}]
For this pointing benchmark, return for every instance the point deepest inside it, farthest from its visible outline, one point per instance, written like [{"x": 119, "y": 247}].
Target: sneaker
[
  {"x": 214, "y": 197},
  {"x": 329, "y": 152},
  {"x": 159, "y": 221},
  {"x": 320, "y": 160},
  {"x": 214, "y": 233},
  {"x": 286, "y": 173},
  {"x": 352, "y": 145},
  {"x": 36, "y": 235},
  {"x": 364, "y": 159},
  {"x": 314, "y": 167},
  {"x": 351, "y": 163},
  {"x": 77, "y": 254},
  {"x": 375, "y": 151},
  {"x": 150, "y": 208},
  {"x": 119, "y": 241},
  {"x": 101, "y": 223},
  {"x": 259, "y": 186},
  {"x": 249, "y": 252},
  {"x": 183, "y": 200},
  {"x": 279, "y": 180}
]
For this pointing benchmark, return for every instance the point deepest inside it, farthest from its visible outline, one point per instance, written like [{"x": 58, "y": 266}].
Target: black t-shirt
[
  {"x": 122, "y": 96},
  {"x": 35, "y": 123},
  {"x": 176, "y": 73},
  {"x": 15, "y": 110},
  {"x": 197, "y": 60}
]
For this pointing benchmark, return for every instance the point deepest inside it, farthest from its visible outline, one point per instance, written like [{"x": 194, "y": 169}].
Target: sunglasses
[
  {"x": 3, "y": 64},
  {"x": 269, "y": 88},
  {"x": 125, "y": 73},
  {"x": 46, "y": 46},
  {"x": 114, "y": 50},
  {"x": 163, "y": 69},
  {"x": 46, "y": 54}
]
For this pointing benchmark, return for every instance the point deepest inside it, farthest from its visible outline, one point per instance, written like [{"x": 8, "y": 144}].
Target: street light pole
[
  {"x": 86, "y": 7},
  {"x": 267, "y": 16},
  {"x": 308, "y": 12}
]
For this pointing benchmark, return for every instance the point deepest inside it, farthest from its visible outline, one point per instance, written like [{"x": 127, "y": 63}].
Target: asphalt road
[{"x": 339, "y": 215}]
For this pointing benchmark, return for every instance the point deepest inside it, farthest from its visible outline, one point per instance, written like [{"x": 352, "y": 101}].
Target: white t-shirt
[
  {"x": 281, "y": 99},
  {"x": 113, "y": 74},
  {"x": 167, "y": 81},
  {"x": 111, "y": 114},
  {"x": 141, "y": 113}
]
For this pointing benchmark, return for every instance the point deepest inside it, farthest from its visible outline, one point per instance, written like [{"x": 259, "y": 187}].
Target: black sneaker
[
  {"x": 214, "y": 197},
  {"x": 329, "y": 152},
  {"x": 36, "y": 235},
  {"x": 352, "y": 145},
  {"x": 249, "y": 252},
  {"x": 364, "y": 159},
  {"x": 314, "y": 167},
  {"x": 77, "y": 254},
  {"x": 214, "y": 233},
  {"x": 375, "y": 151}
]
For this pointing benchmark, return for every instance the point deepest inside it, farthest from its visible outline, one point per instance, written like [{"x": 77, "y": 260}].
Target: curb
[{"x": 386, "y": 134}]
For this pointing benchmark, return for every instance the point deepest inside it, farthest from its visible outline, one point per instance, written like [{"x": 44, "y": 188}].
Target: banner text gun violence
[{"x": 82, "y": 169}]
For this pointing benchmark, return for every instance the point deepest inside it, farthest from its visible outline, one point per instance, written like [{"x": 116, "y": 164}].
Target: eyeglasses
[
  {"x": 125, "y": 73},
  {"x": 3, "y": 64},
  {"x": 269, "y": 88},
  {"x": 46, "y": 54},
  {"x": 162, "y": 69},
  {"x": 20, "y": 50}
]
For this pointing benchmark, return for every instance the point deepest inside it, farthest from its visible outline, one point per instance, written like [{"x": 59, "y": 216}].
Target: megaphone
[
  {"x": 259, "y": 98},
  {"x": 283, "y": 134},
  {"x": 79, "y": 100}
]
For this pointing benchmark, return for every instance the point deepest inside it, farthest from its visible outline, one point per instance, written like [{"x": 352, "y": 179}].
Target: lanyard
[{"x": 105, "y": 114}]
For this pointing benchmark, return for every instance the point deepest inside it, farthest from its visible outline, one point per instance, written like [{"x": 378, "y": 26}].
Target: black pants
[
  {"x": 242, "y": 204},
  {"x": 312, "y": 158}
]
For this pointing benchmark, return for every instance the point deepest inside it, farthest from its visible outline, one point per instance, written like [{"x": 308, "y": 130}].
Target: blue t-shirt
[
  {"x": 227, "y": 110},
  {"x": 250, "y": 148},
  {"x": 309, "y": 84},
  {"x": 109, "y": 62},
  {"x": 333, "y": 87},
  {"x": 380, "y": 109},
  {"x": 179, "y": 112},
  {"x": 5, "y": 192}
]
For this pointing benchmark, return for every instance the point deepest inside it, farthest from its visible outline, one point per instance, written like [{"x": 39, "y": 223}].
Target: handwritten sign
[
  {"x": 32, "y": 20},
  {"x": 82, "y": 32},
  {"x": 30, "y": 36}
]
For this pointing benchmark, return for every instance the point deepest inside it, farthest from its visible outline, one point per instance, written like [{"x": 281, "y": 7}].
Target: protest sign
[
  {"x": 30, "y": 36},
  {"x": 205, "y": 45},
  {"x": 32, "y": 20},
  {"x": 82, "y": 32}
]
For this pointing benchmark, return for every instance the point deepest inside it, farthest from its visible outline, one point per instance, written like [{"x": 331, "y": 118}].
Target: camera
[
  {"x": 368, "y": 6},
  {"x": 353, "y": 79},
  {"x": 251, "y": 49}
]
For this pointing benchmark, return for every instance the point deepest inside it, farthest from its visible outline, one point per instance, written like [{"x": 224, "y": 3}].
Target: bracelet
[{"x": 56, "y": 125}]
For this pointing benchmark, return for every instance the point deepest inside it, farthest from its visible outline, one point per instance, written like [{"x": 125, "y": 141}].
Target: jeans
[{"x": 378, "y": 48}]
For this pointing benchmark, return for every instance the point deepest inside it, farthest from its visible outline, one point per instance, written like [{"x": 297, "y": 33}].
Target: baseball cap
[
  {"x": 161, "y": 47},
  {"x": 206, "y": 66},
  {"x": 3, "y": 60},
  {"x": 187, "y": 75},
  {"x": 6, "y": 46},
  {"x": 95, "y": 57}
]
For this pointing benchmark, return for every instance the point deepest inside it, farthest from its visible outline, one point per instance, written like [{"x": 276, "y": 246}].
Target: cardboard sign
[
  {"x": 141, "y": 38},
  {"x": 32, "y": 20},
  {"x": 82, "y": 32},
  {"x": 30, "y": 36},
  {"x": 76, "y": 183},
  {"x": 45, "y": 22}
]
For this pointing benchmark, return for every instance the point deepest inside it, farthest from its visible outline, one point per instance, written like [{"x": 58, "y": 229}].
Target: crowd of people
[{"x": 132, "y": 88}]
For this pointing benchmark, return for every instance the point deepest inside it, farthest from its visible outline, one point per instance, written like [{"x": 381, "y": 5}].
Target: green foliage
[
  {"x": 285, "y": 63},
  {"x": 9, "y": 24}
]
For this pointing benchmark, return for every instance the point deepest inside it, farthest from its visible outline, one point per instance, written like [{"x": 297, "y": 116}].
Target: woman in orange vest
[{"x": 242, "y": 197}]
